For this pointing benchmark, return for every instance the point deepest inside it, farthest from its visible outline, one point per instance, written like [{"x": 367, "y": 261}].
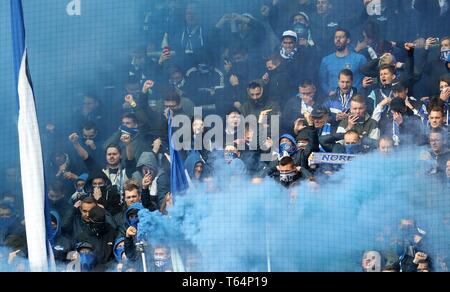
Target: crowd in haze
[{"x": 376, "y": 81}]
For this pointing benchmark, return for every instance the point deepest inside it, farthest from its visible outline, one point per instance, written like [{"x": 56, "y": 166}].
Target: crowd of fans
[{"x": 337, "y": 83}]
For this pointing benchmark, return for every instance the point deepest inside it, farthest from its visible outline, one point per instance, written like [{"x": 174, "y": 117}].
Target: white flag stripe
[{"x": 32, "y": 173}]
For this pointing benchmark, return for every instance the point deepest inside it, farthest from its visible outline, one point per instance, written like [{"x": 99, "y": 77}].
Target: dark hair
[
  {"x": 113, "y": 146},
  {"x": 57, "y": 186},
  {"x": 172, "y": 95},
  {"x": 130, "y": 116},
  {"x": 347, "y": 33},
  {"x": 89, "y": 200},
  {"x": 286, "y": 161},
  {"x": 275, "y": 58},
  {"x": 445, "y": 78},
  {"x": 387, "y": 67},
  {"x": 346, "y": 72},
  {"x": 253, "y": 85},
  {"x": 89, "y": 125},
  {"x": 306, "y": 83},
  {"x": 372, "y": 30},
  {"x": 350, "y": 132}
]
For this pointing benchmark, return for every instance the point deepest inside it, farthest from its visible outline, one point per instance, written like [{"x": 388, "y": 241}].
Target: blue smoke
[{"x": 244, "y": 227}]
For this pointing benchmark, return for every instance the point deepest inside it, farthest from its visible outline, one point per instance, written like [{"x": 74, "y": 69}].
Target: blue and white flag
[
  {"x": 31, "y": 162},
  {"x": 178, "y": 177}
]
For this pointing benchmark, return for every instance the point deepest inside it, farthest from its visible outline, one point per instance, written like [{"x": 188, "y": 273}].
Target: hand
[
  {"x": 131, "y": 232},
  {"x": 156, "y": 145},
  {"x": 165, "y": 55},
  {"x": 361, "y": 45},
  {"x": 298, "y": 125},
  {"x": 385, "y": 101},
  {"x": 398, "y": 118},
  {"x": 409, "y": 104},
  {"x": 256, "y": 181},
  {"x": 263, "y": 115},
  {"x": 352, "y": 119},
  {"x": 445, "y": 94},
  {"x": 239, "y": 141},
  {"x": 268, "y": 143},
  {"x": 147, "y": 181},
  {"x": 70, "y": 175},
  {"x": 266, "y": 78},
  {"x": 367, "y": 81},
  {"x": 366, "y": 2},
  {"x": 97, "y": 193},
  {"x": 74, "y": 138},
  {"x": 129, "y": 99},
  {"x": 308, "y": 118},
  {"x": 419, "y": 256},
  {"x": 429, "y": 42},
  {"x": 234, "y": 80},
  {"x": 409, "y": 46},
  {"x": 341, "y": 116},
  {"x": 126, "y": 139},
  {"x": 91, "y": 144},
  {"x": 147, "y": 86},
  {"x": 77, "y": 204},
  {"x": 227, "y": 66}
]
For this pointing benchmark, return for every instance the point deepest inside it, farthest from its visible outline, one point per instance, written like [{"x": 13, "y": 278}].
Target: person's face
[
  {"x": 234, "y": 120},
  {"x": 285, "y": 140},
  {"x": 307, "y": 94},
  {"x": 197, "y": 127},
  {"x": 132, "y": 197},
  {"x": 176, "y": 78},
  {"x": 288, "y": 44},
  {"x": 248, "y": 135},
  {"x": 160, "y": 254},
  {"x": 288, "y": 168},
  {"x": 358, "y": 109},
  {"x": 89, "y": 104},
  {"x": 340, "y": 40},
  {"x": 403, "y": 94},
  {"x": 255, "y": 93},
  {"x": 299, "y": 19},
  {"x": 239, "y": 58},
  {"x": 198, "y": 169},
  {"x": 386, "y": 76},
  {"x": 345, "y": 83},
  {"x": 320, "y": 122},
  {"x": 351, "y": 139},
  {"x": 445, "y": 45},
  {"x": 138, "y": 59},
  {"x": 129, "y": 123},
  {"x": 80, "y": 184},
  {"x": 98, "y": 182},
  {"x": 59, "y": 159},
  {"x": 55, "y": 195},
  {"x": 89, "y": 134},
  {"x": 443, "y": 85},
  {"x": 385, "y": 146},
  {"x": 171, "y": 104},
  {"x": 191, "y": 16},
  {"x": 231, "y": 149},
  {"x": 436, "y": 142},
  {"x": 371, "y": 261},
  {"x": 85, "y": 209},
  {"x": 271, "y": 65},
  {"x": 436, "y": 119},
  {"x": 322, "y": 6},
  {"x": 113, "y": 156}
]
